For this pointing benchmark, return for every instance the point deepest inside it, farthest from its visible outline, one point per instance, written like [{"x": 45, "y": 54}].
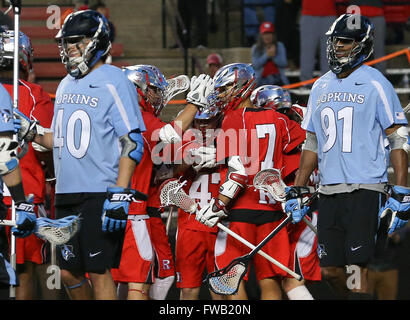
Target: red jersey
[
  {"x": 318, "y": 8},
  {"x": 33, "y": 100},
  {"x": 141, "y": 178},
  {"x": 201, "y": 187},
  {"x": 263, "y": 139}
]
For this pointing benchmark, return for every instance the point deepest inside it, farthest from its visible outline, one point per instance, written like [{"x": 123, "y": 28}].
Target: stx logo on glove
[
  {"x": 25, "y": 207},
  {"x": 122, "y": 197}
]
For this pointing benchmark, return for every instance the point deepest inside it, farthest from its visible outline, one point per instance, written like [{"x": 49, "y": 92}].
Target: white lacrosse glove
[
  {"x": 200, "y": 89},
  {"x": 204, "y": 157},
  {"x": 212, "y": 213}
]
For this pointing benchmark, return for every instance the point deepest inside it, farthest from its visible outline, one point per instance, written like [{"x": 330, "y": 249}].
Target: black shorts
[
  {"x": 91, "y": 249},
  {"x": 347, "y": 227}
]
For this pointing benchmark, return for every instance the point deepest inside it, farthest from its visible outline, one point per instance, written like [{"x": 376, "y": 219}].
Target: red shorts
[
  {"x": 137, "y": 257},
  {"x": 194, "y": 251},
  {"x": 228, "y": 248},
  {"x": 303, "y": 244},
  {"x": 162, "y": 248},
  {"x": 31, "y": 248}
]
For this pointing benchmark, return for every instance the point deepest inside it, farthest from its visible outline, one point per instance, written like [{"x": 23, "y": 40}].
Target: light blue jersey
[
  {"x": 349, "y": 117},
  {"x": 6, "y": 111},
  {"x": 90, "y": 115},
  {"x": 6, "y": 117}
]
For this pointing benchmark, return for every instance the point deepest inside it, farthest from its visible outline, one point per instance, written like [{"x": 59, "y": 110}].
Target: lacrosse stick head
[
  {"x": 226, "y": 281},
  {"x": 58, "y": 231},
  {"x": 270, "y": 181},
  {"x": 172, "y": 194},
  {"x": 176, "y": 86}
]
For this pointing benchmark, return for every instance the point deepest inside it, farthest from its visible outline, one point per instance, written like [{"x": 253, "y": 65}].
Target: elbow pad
[
  {"x": 236, "y": 179},
  {"x": 132, "y": 145},
  {"x": 8, "y": 155},
  {"x": 310, "y": 142},
  {"x": 399, "y": 139}
]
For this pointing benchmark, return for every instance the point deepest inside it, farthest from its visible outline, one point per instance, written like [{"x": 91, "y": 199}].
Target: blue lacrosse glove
[
  {"x": 293, "y": 205},
  {"x": 25, "y": 220},
  {"x": 399, "y": 204},
  {"x": 115, "y": 209}
]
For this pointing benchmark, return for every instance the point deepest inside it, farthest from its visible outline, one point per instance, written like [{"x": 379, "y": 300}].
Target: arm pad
[
  {"x": 132, "y": 145},
  {"x": 310, "y": 142},
  {"x": 399, "y": 139},
  {"x": 8, "y": 155},
  {"x": 236, "y": 179}
]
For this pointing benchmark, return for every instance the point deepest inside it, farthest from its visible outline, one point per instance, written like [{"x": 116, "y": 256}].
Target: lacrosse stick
[
  {"x": 171, "y": 193},
  {"x": 16, "y": 5},
  {"x": 269, "y": 180},
  {"x": 407, "y": 108},
  {"x": 176, "y": 86},
  {"x": 169, "y": 219},
  {"x": 56, "y": 232},
  {"x": 226, "y": 281}
]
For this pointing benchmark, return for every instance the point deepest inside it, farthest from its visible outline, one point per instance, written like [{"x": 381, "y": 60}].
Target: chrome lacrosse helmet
[
  {"x": 150, "y": 87},
  {"x": 207, "y": 121},
  {"x": 233, "y": 84},
  {"x": 354, "y": 29},
  {"x": 271, "y": 96},
  {"x": 89, "y": 32},
  {"x": 7, "y": 51}
]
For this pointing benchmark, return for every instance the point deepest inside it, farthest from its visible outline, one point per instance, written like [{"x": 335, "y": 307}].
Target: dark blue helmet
[
  {"x": 78, "y": 28},
  {"x": 349, "y": 27}
]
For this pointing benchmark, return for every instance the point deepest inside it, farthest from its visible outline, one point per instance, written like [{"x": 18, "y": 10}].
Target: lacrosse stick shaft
[
  {"x": 270, "y": 235},
  {"x": 16, "y": 4},
  {"x": 169, "y": 220},
  {"x": 310, "y": 225},
  {"x": 263, "y": 254}
]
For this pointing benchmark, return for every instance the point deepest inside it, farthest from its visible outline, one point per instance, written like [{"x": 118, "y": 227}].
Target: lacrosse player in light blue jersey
[
  {"x": 96, "y": 142},
  {"x": 352, "y": 111}
]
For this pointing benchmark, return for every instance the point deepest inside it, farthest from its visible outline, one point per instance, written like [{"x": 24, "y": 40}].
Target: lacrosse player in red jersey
[
  {"x": 195, "y": 242},
  {"x": 261, "y": 136},
  {"x": 303, "y": 241},
  {"x": 137, "y": 261},
  {"x": 34, "y": 102}
]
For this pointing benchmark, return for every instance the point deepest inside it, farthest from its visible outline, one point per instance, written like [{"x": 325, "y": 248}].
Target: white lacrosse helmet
[
  {"x": 233, "y": 84},
  {"x": 151, "y": 86}
]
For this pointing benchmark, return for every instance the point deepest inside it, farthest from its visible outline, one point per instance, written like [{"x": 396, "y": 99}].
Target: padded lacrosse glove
[
  {"x": 399, "y": 204},
  {"x": 115, "y": 209},
  {"x": 200, "y": 88},
  {"x": 205, "y": 157},
  {"x": 293, "y": 205},
  {"x": 25, "y": 220},
  {"x": 27, "y": 128},
  {"x": 212, "y": 213}
]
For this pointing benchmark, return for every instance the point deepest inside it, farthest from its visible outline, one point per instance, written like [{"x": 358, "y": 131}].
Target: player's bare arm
[{"x": 308, "y": 160}]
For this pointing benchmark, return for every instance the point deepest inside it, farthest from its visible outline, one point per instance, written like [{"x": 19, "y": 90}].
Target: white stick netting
[
  {"x": 58, "y": 231},
  {"x": 270, "y": 181},
  {"x": 176, "y": 86},
  {"x": 226, "y": 281},
  {"x": 172, "y": 194}
]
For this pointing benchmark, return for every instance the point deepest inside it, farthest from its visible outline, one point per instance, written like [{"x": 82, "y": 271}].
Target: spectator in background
[
  {"x": 373, "y": 9},
  {"x": 269, "y": 57},
  {"x": 213, "y": 62},
  {"x": 250, "y": 17},
  {"x": 287, "y": 29},
  {"x": 100, "y": 7},
  {"x": 316, "y": 18}
]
